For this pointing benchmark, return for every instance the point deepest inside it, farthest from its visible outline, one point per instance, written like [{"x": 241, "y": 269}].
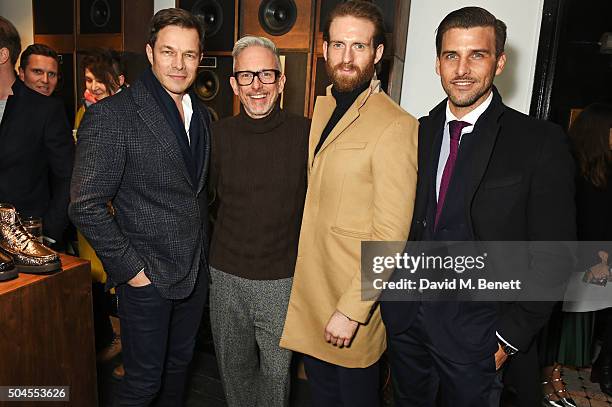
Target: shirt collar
[{"x": 472, "y": 116}]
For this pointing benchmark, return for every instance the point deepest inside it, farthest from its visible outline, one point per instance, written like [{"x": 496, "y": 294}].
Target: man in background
[
  {"x": 36, "y": 145},
  {"x": 39, "y": 68}
]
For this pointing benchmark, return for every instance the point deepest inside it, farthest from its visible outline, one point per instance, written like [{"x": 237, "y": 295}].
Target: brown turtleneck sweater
[{"x": 258, "y": 172}]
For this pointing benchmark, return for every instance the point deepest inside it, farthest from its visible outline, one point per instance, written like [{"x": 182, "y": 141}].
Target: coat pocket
[
  {"x": 351, "y": 146},
  {"x": 503, "y": 182},
  {"x": 351, "y": 233}
]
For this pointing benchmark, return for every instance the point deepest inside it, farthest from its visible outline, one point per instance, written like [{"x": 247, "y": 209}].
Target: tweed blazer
[
  {"x": 128, "y": 154},
  {"x": 361, "y": 186}
]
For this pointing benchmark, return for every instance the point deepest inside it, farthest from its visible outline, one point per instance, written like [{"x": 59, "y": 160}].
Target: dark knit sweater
[{"x": 258, "y": 171}]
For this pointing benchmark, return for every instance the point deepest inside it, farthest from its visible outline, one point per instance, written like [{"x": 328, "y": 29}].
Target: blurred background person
[
  {"x": 591, "y": 136},
  {"x": 39, "y": 68},
  {"x": 104, "y": 76}
]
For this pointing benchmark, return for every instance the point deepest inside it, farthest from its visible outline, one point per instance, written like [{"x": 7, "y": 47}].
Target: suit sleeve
[
  {"x": 99, "y": 165},
  {"x": 59, "y": 150},
  {"x": 550, "y": 218},
  {"x": 394, "y": 177}
]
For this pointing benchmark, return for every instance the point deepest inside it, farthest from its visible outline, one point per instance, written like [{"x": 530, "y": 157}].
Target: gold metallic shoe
[{"x": 30, "y": 256}]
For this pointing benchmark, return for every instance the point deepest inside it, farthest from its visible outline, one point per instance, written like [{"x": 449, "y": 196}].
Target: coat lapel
[
  {"x": 324, "y": 107},
  {"x": 349, "y": 117},
  {"x": 433, "y": 128},
  {"x": 205, "y": 120},
  {"x": 152, "y": 116},
  {"x": 487, "y": 129}
]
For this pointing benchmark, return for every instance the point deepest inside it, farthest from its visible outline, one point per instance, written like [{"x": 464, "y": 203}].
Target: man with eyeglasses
[
  {"x": 258, "y": 174},
  {"x": 361, "y": 187}
]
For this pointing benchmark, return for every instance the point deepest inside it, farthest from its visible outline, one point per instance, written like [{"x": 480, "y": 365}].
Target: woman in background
[{"x": 591, "y": 136}]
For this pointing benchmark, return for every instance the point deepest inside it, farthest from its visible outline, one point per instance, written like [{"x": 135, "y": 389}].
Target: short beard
[
  {"x": 470, "y": 99},
  {"x": 343, "y": 83}
]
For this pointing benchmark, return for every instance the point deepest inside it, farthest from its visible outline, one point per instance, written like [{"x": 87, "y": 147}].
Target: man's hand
[
  {"x": 340, "y": 329},
  {"x": 601, "y": 271},
  {"x": 500, "y": 357},
  {"x": 139, "y": 280}
]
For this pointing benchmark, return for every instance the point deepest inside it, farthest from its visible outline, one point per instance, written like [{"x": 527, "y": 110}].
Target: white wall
[
  {"x": 421, "y": 89},
  {"x": 20, "y": 14},
  {"x": 162, "y": 4}
]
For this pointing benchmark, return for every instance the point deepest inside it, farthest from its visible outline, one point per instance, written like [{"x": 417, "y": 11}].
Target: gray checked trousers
[{"x": 247, "y": 319}]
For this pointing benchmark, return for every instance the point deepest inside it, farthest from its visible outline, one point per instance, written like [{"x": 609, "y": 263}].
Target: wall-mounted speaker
[
  {"x": 219, "y": 18},
  {"x": 53, "y": 28},
  {"x": 100, "y": 16},
  {"x": 117, "y": 24},
  {"x": 47, "y": 20},
  {"x": 286, "y": 22},
  {"x": 212, "y": 85}
]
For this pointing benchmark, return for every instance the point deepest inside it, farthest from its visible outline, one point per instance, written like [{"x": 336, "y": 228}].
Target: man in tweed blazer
[{"x": 146, "y": 150}]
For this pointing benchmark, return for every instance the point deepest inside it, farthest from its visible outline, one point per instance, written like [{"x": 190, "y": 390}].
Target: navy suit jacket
[
  {"x": 37, "y": 155},
  {"x": 518, "y": 187}
]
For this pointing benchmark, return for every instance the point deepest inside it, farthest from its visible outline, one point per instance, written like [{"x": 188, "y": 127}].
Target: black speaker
[
  {"x": 286, "y": 22},
  {"x": 219, "y": 22},
  {"x": 100, "y": 16},
  {"x": 212, "y": 85},
  {"x": 47, "y": 19},
  {"x": 277, "y": 17}
]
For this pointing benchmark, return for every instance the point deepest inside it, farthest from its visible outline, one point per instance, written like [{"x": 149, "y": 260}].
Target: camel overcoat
[{"x": 361, "y": 186}]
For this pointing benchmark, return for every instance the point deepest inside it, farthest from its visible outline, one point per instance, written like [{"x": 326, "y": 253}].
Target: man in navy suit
[
  {"x": 486, "y": 173},
  {"x": 36, "y": 145},
  {"x": 146, "y": 149}
]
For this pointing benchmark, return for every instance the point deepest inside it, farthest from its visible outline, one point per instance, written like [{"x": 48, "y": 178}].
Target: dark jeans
[
  {"x": 157, "y": 338},
  {"x": 422, "y": 378},
  {"x": 334, "y": 386}
]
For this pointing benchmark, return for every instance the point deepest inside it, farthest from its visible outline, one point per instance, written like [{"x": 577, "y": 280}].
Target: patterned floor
[{"x": 584, "y": 393}]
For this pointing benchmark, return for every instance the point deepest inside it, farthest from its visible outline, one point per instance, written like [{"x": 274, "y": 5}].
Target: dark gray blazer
[{"x": 128, "y": 154}]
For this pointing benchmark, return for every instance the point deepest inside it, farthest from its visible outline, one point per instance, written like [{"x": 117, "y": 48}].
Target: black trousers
[
  {"x": 337, "y": 386},
  {"x": 423, "y": 378},
  {"x": 157, "y": 338}
]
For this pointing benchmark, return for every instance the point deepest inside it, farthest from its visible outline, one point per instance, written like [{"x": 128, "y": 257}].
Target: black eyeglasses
[{"x": 266, "y": 76}]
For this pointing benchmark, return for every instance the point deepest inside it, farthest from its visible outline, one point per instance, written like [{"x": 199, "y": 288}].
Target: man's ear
[
  {"x": 21, "y": 73},
  {"x": 5, "y": 55},
  {"x": 234, "y": 85},
  {"x": 501, "y": 63},
  {"x": 379, "y": 53},
  {"x": 149, "y": 52},
  {"x": 325, "y": 45}
]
